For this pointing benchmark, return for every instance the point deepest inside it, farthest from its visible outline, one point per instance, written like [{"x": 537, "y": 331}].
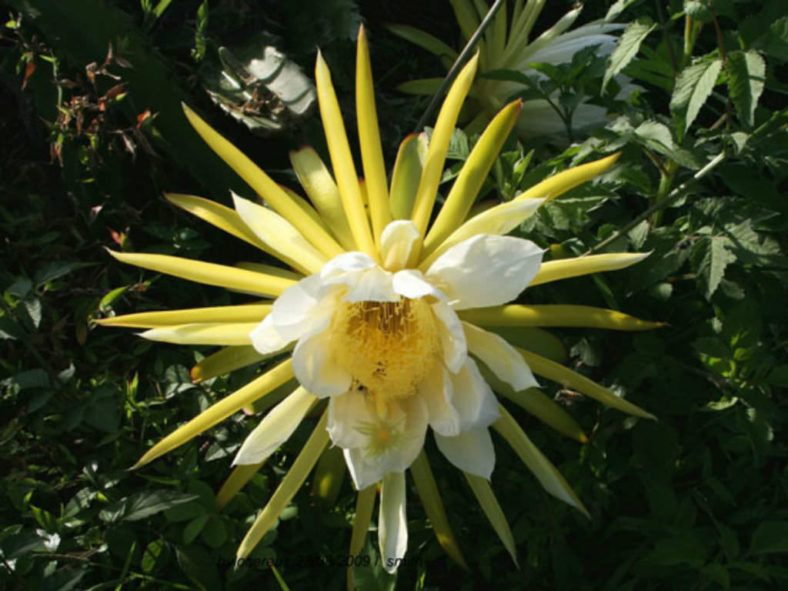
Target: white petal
[
  {"x": 316, "y": 368},
  {"x": 346, "y": 413},
  {"x": 266, "y": 338},
  {"x": 367, "y": 467},
  {"x": 396, "y": 243},
  {"x": 277, "y": 426},
  {"x": 473, "y": 398},
  {"x": 372, "y": 285},
  {"x": 279, "y": 234},
  {"x": 392, "y": 524},
  {"x": 411, "y": 284},
  {"x": 499, "y": 220},
  {"x": 292, "y": 315},
  {"x": 502, "y": 359},
  {"x": 346, "y": 262},
  {"x": 486, "y": 270},
  {"x": 471, "y": 451},
  {"x": 436, "y": 390},
  {"x": 363, "y": 472},
  {"x": 455, "y": 350},
  {"x": 363, "y": 278}
]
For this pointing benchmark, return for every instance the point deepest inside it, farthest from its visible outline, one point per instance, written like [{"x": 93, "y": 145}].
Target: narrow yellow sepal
[
  {"x": 492, "y": 509},
  {"x": 209, "y": 333},
  {"x": 342, "y": 158},
  {"x": 472, "y": 175},
  {"x": 407, "y": 172},
  {"x": 306, "y": 207},
  {"x": 595, "y": 263},
  {"x": 439, "y": 145},
  {"x": 225, "y": 361},
  {"x": 536, "y": 340},
  {"x": 538, "y": 404},
  {"x": 433, "y": 505},
  {"x": 570, "y": 379},
  {"x": 556, "y": 315},
  {"x": 220, "y": 411},
  {"x": 217, "y": 215},
  {"x": 365, "y": 503},
  {"x": 369, "y": 140},
  {"x": 319, "y": 185},
  {"x": 290, "y": 484},
  {"x": 560, "y": 183},
  {"x": 546, "y": 473},
  {"x": 243, "y": 313},
  {"x": 271, "y": 270},
  {"x": 264, "y": 186},
  {"x": 238, "y": 478},
  {"x": 207, "y": 273}
]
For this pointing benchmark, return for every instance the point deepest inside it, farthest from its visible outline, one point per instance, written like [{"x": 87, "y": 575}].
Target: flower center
[{"x": 388, "y": 347}]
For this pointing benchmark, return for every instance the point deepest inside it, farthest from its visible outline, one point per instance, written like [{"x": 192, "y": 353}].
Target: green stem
[{"x": 665, "y": 182}]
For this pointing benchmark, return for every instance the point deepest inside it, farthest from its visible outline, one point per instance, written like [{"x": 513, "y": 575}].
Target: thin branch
[
  {"x": 672, "y": 196},
  {"x": 458, "y": 63}
]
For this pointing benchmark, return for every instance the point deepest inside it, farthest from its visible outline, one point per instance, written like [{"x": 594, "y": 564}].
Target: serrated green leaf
[
  {"x": 145, "y": 504},
  {"x": 711, "y": 256},
  {"x": 693, "y": 87},
  {"x": 628, "y": 47},
  {"x": 746, "y": 72}
]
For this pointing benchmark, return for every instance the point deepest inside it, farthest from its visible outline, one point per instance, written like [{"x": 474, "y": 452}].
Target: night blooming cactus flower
[
  {"x": 384, "y": 319},
  {"x": 510, "y": 48}
]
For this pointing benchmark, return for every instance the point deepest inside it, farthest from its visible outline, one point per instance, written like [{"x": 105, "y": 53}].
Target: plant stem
[
  {"x": 674, "y": 194},
  {"x": 458, "y": 63}
]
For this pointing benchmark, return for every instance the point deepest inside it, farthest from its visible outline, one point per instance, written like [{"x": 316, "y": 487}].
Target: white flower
[
  {"x": 385, "y": 302},
  {"x": 387, "y": 348}
]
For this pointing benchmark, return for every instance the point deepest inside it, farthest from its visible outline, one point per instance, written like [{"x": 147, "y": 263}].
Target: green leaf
[
  {"x": 145, "y": 504},
  {"x": 770, "y": 537},
  {"x": 710, "y": 257},
  {"x": 628, "y": 47},
  {"x": 194, "y": 527},
  {"x": 55, "y": 270},
  {"x": 154, "y": 555},
  {"x": 746, "y": 73},
  {"x": 214, "y": 534},
  {"x": 775, "y": 42},
  {"x": 693, "y": 87}
]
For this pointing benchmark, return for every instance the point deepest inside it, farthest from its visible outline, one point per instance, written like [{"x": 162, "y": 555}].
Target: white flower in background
[{"x": 509, "y": 48}]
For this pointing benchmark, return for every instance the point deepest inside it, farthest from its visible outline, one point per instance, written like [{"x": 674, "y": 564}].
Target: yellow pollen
[{"x": 388, "y": 347}]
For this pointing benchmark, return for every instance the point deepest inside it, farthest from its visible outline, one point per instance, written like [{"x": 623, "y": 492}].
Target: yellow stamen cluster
[{"x": 388, "y": 347}]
